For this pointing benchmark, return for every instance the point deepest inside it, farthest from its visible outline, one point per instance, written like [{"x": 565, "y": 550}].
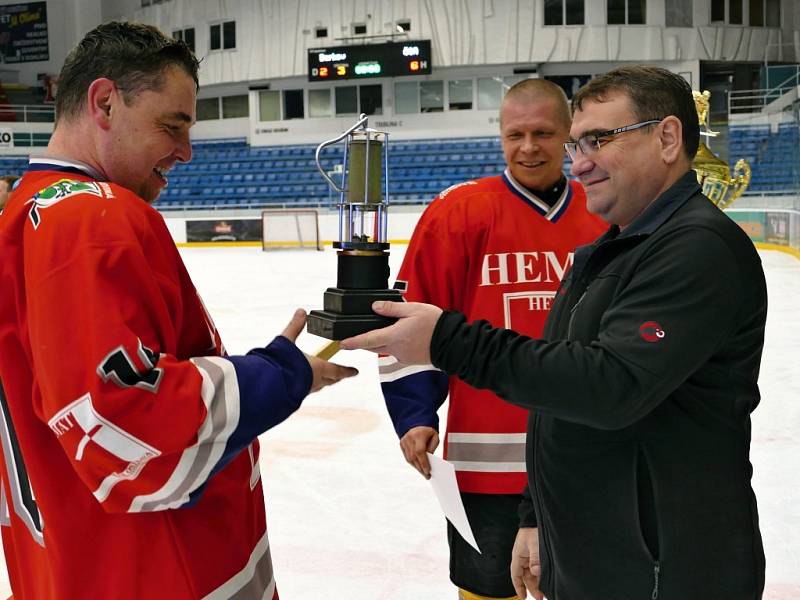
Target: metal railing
[
  {"x": 27, "y": 113},
  {"x": 749, "y": 101}
]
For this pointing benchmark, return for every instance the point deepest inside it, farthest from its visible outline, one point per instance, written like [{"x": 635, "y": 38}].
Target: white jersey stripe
[
  {"x": 403, "y": 371},
  {"x": 487, "y": 438},
  {"x": 488, "y": 467},
  {"x": 255, "y": 580},
  {"x": 550, "y": 211},
  {"x": 90, "y": 171},
  {"x": 220, "y": 393},
  {"x": 5, "y": 516}
]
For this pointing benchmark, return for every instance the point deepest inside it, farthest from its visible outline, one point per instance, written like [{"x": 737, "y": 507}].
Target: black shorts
[{"x": 494, "y": 521}]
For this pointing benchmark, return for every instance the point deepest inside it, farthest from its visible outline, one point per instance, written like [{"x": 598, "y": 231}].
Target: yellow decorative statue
[{"x": 712, "y": 172}]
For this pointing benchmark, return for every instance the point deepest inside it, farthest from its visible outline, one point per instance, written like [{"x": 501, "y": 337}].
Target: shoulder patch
[
  {"x": 61, "y": 190},
  {"x": 444, "y": 193}
]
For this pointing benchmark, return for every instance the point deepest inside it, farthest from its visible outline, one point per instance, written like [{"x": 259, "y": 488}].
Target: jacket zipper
[
  {"x": 572, "y": 313},
  {"x": 656, "y": 573}
]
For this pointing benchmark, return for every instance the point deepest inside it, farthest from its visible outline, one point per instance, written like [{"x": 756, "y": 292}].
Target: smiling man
[
  {"x": 642, "y": 385},
  {"x": 495, "y": 248},
  {"x": 130, "y": 459}
]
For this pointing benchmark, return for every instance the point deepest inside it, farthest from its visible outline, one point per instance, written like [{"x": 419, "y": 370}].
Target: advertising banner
[
  {"x": 224, "y": 230},
  {"x": 23, "y": 32}
]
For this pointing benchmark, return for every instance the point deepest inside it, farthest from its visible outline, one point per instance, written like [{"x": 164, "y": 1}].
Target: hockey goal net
[{"x": 290, "y": 228}]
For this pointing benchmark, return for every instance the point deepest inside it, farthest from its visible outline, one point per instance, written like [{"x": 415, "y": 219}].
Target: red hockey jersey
[
  {"x": 493, "y": 250},
  {"x": 130, "y": 460}
]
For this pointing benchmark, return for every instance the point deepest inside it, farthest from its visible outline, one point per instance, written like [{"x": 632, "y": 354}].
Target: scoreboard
[{"x": 391, "y": 59}]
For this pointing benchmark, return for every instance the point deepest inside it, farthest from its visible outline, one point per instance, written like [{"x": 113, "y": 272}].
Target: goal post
[{"x": 290, "y": 228}]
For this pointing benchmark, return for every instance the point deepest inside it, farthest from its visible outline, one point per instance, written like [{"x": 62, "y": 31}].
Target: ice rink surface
[{"x": 348, "y": 518}]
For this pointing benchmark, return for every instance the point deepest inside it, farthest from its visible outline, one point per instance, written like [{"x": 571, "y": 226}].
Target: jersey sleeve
[
  {"x": 433, "y": 271},
  {"x": 144, "y": 428}
]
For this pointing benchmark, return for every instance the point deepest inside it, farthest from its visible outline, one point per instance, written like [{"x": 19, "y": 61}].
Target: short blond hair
[{"x": 536, "y": 90}]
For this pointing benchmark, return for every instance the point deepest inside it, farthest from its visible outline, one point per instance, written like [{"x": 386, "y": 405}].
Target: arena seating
[
  {"x": 774, "y": 158},
  {"x": 13, "y": 165},
  {"x": 229, "y": 173}
]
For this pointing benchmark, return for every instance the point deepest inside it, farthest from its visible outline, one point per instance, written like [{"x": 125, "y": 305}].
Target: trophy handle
[
  {"x": 362, "y": 122},
  {"x": 740, "y": 179}
]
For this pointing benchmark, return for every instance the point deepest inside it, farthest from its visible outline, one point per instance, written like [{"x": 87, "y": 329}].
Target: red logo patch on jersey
[{"x": 651, "y": 331}]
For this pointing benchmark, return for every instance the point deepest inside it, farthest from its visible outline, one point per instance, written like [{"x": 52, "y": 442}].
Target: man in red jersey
[
  {"x": 497, "y": 249},
  {"x": 130, "y": 458}
]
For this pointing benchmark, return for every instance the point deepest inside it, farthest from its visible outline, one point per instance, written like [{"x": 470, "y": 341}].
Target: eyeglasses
[{"x": 591, "y": 143}]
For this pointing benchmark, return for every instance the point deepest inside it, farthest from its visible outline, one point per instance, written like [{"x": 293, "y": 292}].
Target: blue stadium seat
[{"x": 230, "y": 173}]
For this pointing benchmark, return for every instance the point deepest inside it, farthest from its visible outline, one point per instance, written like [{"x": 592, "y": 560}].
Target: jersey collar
[
  {"x": 48, "y": 163},
  {"x": 553, "y": 213}
]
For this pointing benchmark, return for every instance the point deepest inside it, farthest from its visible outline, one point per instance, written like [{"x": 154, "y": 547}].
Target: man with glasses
[
  {"x": 642, "y": 386},
  {"x": 495, "y": 248}
]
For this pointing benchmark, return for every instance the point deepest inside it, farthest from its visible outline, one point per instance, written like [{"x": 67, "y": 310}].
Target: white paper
[{"x": 443, "y": 480}]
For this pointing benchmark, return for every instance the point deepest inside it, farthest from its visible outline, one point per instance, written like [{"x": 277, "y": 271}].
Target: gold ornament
[{"x": 713, "y": 173}]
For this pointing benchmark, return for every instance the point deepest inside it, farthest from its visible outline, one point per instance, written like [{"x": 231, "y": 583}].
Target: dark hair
[
  {"x": 537, "y": 89},
  {"x": 132, "y": 55},
  {"x": 654, "y": 92},
  {"x": 9, "y": 179}
]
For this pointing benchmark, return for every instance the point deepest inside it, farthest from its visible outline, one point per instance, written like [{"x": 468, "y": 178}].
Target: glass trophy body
[{"x": 362, "y": 275}]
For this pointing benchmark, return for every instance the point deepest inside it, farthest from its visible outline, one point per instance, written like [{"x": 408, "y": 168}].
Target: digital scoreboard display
[{"x": 392, "y": 59}]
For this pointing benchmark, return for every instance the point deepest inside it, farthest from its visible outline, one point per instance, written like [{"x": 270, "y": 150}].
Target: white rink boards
[{"x": 349, "y": 519}]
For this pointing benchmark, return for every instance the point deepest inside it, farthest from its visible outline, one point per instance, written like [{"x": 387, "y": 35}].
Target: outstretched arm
[{"x": 323, "y": 372}]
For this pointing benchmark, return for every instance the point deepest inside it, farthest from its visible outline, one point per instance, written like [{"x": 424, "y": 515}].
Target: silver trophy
[{"x": 363, "y": 248}]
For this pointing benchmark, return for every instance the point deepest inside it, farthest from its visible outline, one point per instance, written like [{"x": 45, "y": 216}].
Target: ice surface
[{"x": 349, "y": 519}]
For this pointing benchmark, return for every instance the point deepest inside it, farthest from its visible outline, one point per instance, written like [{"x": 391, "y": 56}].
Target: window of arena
[
  {"x": 627, "y": 12},
  {"x": 225, "y": 107},
  {"x": 222, "y": 36},
  {"x": 186, "y": 35},
  {"x": 759, "y": 13},
  {"x": 563, "y": 12}
]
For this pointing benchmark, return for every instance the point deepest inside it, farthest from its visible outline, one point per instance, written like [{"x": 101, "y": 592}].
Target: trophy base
[
  {"x": 356, "y": 302},
  {"x": 335, "y": 326}
]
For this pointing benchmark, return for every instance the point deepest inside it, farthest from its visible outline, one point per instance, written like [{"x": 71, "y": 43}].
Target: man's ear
[
  {"x": 671, "y": 139},
  {"x": 101, "y": 98}
]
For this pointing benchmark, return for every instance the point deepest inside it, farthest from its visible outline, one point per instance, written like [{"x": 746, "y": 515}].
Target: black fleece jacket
[{"x": 640, "y": 394}]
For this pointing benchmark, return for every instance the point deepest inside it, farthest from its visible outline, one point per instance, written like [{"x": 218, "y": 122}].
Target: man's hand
[
  {"x": 525, "y": 567},
  {"x": 415, "y": 444},
  {"x": 324, "y": 372},
  {"x": 408, "y": 340}
]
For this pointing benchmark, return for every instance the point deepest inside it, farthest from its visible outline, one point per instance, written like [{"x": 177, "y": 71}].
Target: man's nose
[
  {"x": 184, "y": 149},
  {"x": 580, "y": 164},
  {"x": 530, "y": 143}
]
